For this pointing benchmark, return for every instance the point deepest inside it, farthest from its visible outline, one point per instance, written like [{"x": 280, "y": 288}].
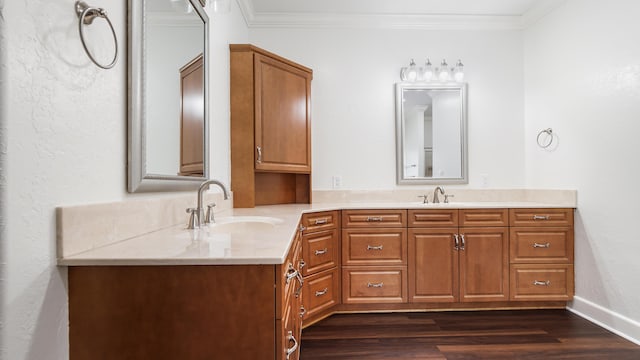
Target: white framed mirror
[
  {"x": 168, "y": 67},
  {"x": 431, "y": 133}
]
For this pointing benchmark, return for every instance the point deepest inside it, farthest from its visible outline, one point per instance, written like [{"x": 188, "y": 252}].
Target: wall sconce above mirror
[
  {"x": 444, "y": 73},
  {"x": 168, "y": 64},
  {"x": 431, "y": 133}
]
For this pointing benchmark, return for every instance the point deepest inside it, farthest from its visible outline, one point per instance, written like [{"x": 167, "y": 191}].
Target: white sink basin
[{"x": 238, "y": 224}]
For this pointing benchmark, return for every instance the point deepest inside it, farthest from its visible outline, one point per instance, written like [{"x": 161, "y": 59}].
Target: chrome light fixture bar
[{"x": 442, "y": 74}]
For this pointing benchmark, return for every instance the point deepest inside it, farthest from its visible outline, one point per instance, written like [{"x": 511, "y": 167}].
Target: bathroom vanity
[{"x": 246, "y": 291}]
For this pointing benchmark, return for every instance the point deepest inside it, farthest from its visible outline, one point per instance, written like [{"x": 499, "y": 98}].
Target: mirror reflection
[
  {"x": 168, "y": 140},
  {"x": 175, "y": 88},
  {"x": 431, "y": 130}
]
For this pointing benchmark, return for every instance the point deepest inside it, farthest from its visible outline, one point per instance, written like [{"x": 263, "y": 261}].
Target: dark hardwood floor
[{"x": 527, "y": 334}]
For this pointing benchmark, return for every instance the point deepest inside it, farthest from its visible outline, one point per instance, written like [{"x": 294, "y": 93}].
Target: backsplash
[{"x": 86, "y": 227}]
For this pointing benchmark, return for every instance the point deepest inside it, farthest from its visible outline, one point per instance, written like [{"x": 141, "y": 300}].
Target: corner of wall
[{"x": 608, "y": 319}]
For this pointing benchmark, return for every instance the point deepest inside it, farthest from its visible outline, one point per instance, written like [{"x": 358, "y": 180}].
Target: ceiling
[{"x": 491, "y": 14}]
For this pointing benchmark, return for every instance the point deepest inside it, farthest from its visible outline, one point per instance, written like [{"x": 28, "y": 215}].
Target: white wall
[
  {"x": 353, "y": 99},
  {"x": 582, "y": 79},
  {"x": 65, "y": 137}
]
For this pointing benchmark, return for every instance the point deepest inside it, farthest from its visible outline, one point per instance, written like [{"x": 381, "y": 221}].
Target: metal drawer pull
[
  {"x": 291, "y": 273},
  {"x": 321, "y": 221},
  {"x": 540, "y": 217},
  {"x": 456, "y": 245},
  {"x": 462, "y": 242},
  {"x": 302, "y": 263},
  {"x": 302, "y": 311},
  {"x": 259, "y": 150},
  {"x": 536, "y": 245},
  {"x": 374, "y": 218},
  {"x": 369, "y": 285},
  {"x": 379, "y": 247},
  {"x": 293, "y": 348},
  {"x": 541, "y": 283},
  {"x": 321, "y": 252},
  {"x": 322, "y": 292}
]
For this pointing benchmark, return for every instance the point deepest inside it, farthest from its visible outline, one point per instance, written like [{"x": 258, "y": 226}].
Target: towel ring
[
  {"x": 543, "y": 144},
  {"x": 86, "y": 15}
]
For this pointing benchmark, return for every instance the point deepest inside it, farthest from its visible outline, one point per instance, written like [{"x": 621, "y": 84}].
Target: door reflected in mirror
[{"x": 431, "y": 133}]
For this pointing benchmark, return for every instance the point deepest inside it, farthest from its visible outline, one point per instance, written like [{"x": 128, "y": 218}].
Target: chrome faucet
[
  {"x": 435, "y": 194},
  {"x": 197, "y": 213}
]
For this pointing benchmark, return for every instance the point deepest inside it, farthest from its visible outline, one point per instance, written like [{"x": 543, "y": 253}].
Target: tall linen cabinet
[{"x": 270, "y": 128}]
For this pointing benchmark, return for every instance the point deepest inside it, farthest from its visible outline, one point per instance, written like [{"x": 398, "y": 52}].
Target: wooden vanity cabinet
[
  {"x": 541, "y": 254},
  {"x": 458, "y": 255},
  {"x": 243, "y": 312},
  {"x": 321, "y": 270},
  {"x": 270, "y": 128},
  {"x": 374, "y": 256}
]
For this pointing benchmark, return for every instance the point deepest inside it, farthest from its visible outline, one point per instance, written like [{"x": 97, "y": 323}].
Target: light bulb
[
  {"x": 458, "y": 72},
  {"x": 427, "y": 72},
  {"x": 444, "y": 71},
  {"x": 412, "y": 72}
]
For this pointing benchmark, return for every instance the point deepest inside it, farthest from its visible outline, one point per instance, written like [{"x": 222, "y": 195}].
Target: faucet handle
[
  {"x": 193, "y": 222},
  {"x": 425, "y": 198},
  {"x": 209, "y": 217},
  {"x": 446, "y": 198}
]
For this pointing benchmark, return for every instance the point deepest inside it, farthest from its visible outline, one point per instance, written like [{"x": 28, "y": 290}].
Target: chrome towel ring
[
  {"x": 86, "y": 14},
  {"x": 545, "y": 142}
]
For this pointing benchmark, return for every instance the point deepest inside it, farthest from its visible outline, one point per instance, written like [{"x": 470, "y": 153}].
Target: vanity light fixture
[
  {"x": 409, "y": 73},
  {"x": 458, "y": 72},
  {"x": 444, "y": 73}
]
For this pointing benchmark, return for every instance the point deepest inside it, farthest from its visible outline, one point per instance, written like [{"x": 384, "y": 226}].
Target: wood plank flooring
[{"x": 524, "y": 334}]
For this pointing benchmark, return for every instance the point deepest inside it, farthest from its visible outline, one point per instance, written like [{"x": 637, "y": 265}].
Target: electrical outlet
[
  {"x": 484, "y": 180},
  {"x": 336, "y": 181}
]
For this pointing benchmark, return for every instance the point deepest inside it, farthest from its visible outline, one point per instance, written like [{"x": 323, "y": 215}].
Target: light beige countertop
[{"x": 264, "y": 239}]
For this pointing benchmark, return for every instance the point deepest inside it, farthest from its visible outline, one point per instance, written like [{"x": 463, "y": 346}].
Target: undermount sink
[{"x": 244, "y": 223}]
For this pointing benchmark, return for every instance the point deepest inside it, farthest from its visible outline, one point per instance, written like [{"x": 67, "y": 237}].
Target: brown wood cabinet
[
  {"x": 374, "y": 256},
  {"x": 541, "y": 254},
  {"x": 321, "y": 259},
  {"x": 270, "y": 128},
  {"x": 243, "y": 312},
  {"x": 466, "y": 261}
]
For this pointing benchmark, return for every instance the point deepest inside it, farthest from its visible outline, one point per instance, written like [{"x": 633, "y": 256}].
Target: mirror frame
[
  {"x": 138, "y": 179},
  {"x": 401, "y": 179}
]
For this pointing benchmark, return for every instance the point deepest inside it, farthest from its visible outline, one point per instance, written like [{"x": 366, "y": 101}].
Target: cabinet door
[
  {"x": 282, "y": 116},
  {"x": 484, "y": 264},
  {"x": 433, "y": 265}
]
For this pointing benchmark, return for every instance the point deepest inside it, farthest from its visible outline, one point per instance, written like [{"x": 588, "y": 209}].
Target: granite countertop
[{"x": 265, "y": 239}]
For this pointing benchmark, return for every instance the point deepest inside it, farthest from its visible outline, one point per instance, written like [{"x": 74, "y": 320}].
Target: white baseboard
[{"x": 610, "y": 320}]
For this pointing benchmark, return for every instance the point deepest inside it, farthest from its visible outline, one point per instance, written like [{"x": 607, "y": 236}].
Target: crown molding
[{"x": 395, "y": 21}]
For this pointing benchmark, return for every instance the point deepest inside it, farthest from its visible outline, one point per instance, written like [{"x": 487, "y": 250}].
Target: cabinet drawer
[
  {"x": 374, "y": 247},
  {"x": 320, "y": 221},
  {"x": 542, "y": 282},
  {"x": 374, "y": 285},
  {"x": 433, "y": 218},
  {"x": 541, "y": 245},
  {"x": 541, "y": 217},
  {"x": 320, "y": 251},
  {"x": 321, "y": 292},
  {"x": 484, "y": 217},
  {"x": 374, "y": 218}
]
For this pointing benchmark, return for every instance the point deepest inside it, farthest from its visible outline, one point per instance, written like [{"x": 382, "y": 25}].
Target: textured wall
[
  {"x": 67, "y": 124},
  {"x": 582, "y": 66}
]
